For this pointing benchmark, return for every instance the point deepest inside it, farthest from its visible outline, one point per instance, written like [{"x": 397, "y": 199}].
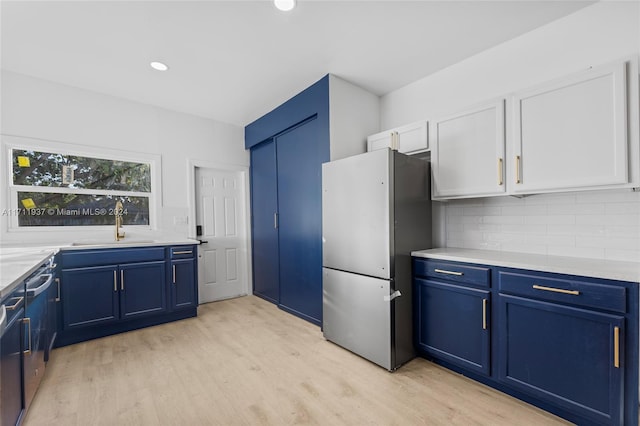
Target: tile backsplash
[{"x": 592, "y": 224}]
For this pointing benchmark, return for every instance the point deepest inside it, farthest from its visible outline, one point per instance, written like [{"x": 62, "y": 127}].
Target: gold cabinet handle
[
  {"x": 15, "y": 305},
  {"x": 183, "y": 252},
  {"x": 484, "y": 314},
  {"x": 616, "y": 347},
  {"x": 518, "y": 180},
  {"x": 500, "y": 176},
  {"x": 115, "y": 280},
  {"x": 58, "y": 283},
  {"x": 28, "y": 322},
  {"x": 174, "y": 274},
  {"x": 556, "y": 290},
  {"x": 121, "y": 279},
  {"x": 444, "y": 271}
]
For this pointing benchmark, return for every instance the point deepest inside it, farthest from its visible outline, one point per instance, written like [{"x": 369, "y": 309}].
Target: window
[{"x": 50, "y": 188}]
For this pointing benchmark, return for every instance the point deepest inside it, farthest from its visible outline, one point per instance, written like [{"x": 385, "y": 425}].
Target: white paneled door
[{"x": 220, "y": 210}]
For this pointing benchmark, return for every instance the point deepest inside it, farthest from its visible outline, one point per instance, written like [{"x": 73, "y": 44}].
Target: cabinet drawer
[
  {"x": 451, "y": 271},
  {"x": 570, "y": 290},
  {"x": 182, "y": 252}
]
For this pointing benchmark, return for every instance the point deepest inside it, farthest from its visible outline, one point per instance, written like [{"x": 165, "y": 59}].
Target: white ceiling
[{"x": 233, "y": 61}]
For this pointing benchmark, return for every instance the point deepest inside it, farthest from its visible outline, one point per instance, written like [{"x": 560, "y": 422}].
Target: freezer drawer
[{"x": 357, "y": 314}]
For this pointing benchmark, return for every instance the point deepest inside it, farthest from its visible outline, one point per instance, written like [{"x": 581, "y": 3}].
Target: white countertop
[
  {"x": 18, "y": 264},
  {"x": 607, "y": 269},
  {"x": 133, "y": 242},
  {"x": 19, "y": 260}
]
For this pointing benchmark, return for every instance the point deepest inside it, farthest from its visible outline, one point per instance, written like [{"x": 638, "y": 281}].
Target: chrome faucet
[{"x": 117, "y": 212}]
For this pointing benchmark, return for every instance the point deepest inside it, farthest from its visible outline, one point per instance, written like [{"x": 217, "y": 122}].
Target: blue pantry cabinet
[
  {"x": 287, "y": 218},
  {"x": 300, "y": 154},
  {"x": 565, "y": 343},
  {"x": 288, "y": 146},
  {"x": 264, "y": 208}
]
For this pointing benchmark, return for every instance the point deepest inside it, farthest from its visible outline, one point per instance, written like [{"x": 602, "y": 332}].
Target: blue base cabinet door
[
  {"x": 453, "y": 324},
  {"x": 90, "y": 296},
  {"x": 182, "y": 285},
  {"x": 106, "y": 294},
  {"x": 142, "y": 289},
  {"x": 569, "y": 357}
]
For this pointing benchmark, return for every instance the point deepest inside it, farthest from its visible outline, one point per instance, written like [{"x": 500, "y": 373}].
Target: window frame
[{"x": 26, "y": 144}]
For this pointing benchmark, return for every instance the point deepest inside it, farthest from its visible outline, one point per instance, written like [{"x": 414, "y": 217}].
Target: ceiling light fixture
[
  {"x": 159, "y": 66},
  {"x": 285, "y": 5}
]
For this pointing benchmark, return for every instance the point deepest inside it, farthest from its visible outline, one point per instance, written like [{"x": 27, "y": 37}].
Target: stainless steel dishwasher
[
  {"x": 36, "y": 341},
  {"x": 12, "y": 312}
]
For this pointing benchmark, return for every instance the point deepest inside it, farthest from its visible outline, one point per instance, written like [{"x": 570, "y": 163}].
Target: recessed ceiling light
[
  {"x": 285, "y": 5},
  {"x": 159, "y": 66}
]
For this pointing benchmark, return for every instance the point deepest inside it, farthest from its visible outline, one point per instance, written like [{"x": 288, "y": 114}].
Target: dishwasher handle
[
  {"x": 3, "y": 319},
  {"x": 33, "y": 292}
]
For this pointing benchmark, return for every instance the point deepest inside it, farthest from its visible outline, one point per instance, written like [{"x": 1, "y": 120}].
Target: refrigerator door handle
[{"x": 392, "y": 296}]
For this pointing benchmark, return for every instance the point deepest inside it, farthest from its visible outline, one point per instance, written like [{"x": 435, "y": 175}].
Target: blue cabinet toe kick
[{"x": 69, "y": 337}]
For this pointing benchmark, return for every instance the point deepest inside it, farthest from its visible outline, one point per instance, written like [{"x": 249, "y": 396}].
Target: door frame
[{"x": 192, "y": 164}]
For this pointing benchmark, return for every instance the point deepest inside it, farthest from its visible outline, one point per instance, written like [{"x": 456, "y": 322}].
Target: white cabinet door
[
  {"x": 380, "y": 140},
  {"x": 572, "y": 133},
  {"x": 467, "y": 153},
  {"x": 412, "y": 138},
  {"x": 409, "y": 139}
]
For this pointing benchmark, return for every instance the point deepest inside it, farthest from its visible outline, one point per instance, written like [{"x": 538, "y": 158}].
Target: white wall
[
  {"x": 354, "y": 114},
  {"x": 603, "y": 224},
  {"x": 34, "y": 108}
]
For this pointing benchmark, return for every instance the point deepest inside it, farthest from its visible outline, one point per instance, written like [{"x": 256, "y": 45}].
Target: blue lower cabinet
[
  {"x": 567, "y": 356},
  {"x": 454, "y": 324},
  {"x": 105, "y": 294},
  {"x": 182, "y": 284},
  {"x": 142, "y": 289},
  {"x": 90, "y": 296},
  {"x": 568, "y": 344},
  {"x": 146, "y": 286}
]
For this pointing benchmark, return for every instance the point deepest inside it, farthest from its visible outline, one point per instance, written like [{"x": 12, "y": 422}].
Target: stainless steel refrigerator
[{"x": 376, "y": 209}]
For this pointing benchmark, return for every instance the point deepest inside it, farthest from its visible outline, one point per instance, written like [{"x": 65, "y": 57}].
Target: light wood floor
[{"x": 244, "y": 361}]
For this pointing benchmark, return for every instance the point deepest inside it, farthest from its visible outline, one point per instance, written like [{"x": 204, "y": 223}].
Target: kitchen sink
[{"x": 111, "y": 242}]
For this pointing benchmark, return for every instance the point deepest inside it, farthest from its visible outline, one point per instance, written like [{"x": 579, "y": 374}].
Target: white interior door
[{"x": 220, "y": 211}]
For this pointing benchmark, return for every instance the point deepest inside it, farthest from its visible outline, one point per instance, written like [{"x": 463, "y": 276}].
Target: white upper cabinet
[
  {"x": 467, "y": 152},
  {"x": 409, "y": 139},
  {"x": 572, "y": 133}
]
